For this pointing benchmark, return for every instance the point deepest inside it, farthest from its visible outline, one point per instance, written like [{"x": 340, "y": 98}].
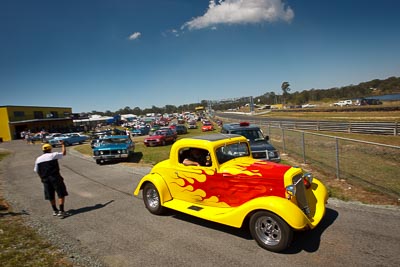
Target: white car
[
  {"x": 343, "y": 103},
  {"x": 309, "y": 106}
]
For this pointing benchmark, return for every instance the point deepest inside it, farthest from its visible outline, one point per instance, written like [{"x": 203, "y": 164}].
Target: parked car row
[
  {"x": 161, "y": 136},
  {"x": 358, "y": 102}
]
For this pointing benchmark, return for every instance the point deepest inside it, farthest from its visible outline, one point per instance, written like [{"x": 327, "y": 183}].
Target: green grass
[{"x": 22, "y": 246}]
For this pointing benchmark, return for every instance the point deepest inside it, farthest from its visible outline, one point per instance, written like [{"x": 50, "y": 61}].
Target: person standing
[{"x": 48, "y": 169}]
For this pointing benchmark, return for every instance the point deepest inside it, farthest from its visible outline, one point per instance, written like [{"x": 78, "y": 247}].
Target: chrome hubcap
[
  {"x": 152, "y": 198},
  {"x": 268, "y": 230}
]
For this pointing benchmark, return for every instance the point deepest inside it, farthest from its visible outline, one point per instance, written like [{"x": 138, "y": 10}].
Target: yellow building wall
[
  {"x": 27, "y": 113},
  {"x": 5, "y": 134},
  {"x": 30, "y": 111}
]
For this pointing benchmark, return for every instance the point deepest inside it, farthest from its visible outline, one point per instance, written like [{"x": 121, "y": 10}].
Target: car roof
[
  {"x": 215, "y": 137},
  {"x": 209, "y": 141},
  {"x": 115, "y": 136},
  {"x": 235, "y": 126}
]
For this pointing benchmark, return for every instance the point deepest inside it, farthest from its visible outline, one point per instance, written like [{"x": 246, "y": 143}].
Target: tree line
[{"x": 365, "y": 89}]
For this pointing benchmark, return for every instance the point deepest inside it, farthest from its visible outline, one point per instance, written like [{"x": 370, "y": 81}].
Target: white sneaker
[{"x": 62, "y": 214}]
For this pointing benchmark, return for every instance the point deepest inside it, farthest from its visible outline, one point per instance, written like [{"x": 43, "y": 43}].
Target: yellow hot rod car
[{"x": 214, "y": 177}]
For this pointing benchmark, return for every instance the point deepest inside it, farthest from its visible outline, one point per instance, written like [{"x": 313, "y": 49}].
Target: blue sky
[{"x": 108, "y": 54}]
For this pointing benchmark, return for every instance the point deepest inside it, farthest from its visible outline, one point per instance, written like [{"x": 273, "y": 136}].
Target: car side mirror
[{"x": 267, "y": 138}]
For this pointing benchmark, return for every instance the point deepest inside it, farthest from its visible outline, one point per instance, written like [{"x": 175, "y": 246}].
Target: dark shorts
[{"x": 54, "y": 185}]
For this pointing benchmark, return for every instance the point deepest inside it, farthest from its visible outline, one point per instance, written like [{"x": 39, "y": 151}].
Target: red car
[
  {"x": 161, "y": 138},
  {"x": 207, "y": 126}
]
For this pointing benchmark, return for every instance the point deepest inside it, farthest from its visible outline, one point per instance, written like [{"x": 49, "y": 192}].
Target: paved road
[{"x": 110, "y": 223}]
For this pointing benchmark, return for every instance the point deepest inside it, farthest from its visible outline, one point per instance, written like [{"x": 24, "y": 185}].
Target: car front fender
[
  {"x": 282, "y": 207},
  {"x": 158, "y": 182},
  {"x": 285, "y": 209}
]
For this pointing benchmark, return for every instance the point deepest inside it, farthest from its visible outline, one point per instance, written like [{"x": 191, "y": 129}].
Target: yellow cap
[{"x": 46, "y": 147}]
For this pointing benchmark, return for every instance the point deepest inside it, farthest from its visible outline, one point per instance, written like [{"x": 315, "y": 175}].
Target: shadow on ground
[
  {"x": 302, "y": 241},
  {"x": 73, "y": 212}
]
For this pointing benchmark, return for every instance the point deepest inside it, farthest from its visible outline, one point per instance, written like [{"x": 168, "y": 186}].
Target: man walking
[{"x": 46, "y": 166}]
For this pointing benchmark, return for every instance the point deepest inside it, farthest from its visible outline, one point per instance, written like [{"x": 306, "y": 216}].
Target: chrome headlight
[
  {"x": 101, "y": 152},
  {"x": 291, "y": 190},
  {"x": 307, "y": 178},
  {"x": 96, "y": 153}
]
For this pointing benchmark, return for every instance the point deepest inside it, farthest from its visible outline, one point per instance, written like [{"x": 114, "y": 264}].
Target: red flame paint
[{"x": 256, "y": 180}]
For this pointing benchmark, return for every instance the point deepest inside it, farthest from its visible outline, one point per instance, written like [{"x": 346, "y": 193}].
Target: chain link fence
[{"x": 371, "y": 165}]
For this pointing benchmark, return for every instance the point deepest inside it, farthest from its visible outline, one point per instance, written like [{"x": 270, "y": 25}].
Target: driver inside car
[{"x": 197, "y": 157}]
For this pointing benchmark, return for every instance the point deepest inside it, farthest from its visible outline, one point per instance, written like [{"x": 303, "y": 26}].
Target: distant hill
[{"x": 365, "y": 89}]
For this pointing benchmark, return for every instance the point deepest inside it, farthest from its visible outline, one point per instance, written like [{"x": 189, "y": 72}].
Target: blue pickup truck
[
  {"x": 113, "y": 147},
  {"x": 69, "y": 139}
]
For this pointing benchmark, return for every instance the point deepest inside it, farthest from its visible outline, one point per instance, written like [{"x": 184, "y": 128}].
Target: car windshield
[
  {"x": 253, "y": 135},
  {"x": 160, "y": 133},
  {"x": 232, "y": 151},
  {"x": 115, "y": 141}
]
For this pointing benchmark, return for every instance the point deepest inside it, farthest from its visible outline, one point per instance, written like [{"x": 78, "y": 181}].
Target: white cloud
[
  {"x": 175, "y": 32},
  {"x": 134, "y": 36},
  {"x": 172, "y": 32},
  {"x": 241, "y": 12}
]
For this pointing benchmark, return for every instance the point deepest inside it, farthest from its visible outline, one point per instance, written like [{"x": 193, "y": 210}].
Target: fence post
[
  {"x": 337, "y": 158},
  {"x": 303, "y": 147},
  {"x": 395, "y": 128},
  {"x": 283, "y": 140},
  {"x": 269, "y": 129}
]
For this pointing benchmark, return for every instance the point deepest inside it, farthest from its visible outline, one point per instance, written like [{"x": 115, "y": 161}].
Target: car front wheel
[
  {"x": 151, "y": 199},
  {"x": 270, "y": 231}
]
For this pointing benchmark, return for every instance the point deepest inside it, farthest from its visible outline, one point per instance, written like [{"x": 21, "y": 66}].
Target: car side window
[
  {"x": 183, "y": 153},
  {"x": 192, "y": 156}
]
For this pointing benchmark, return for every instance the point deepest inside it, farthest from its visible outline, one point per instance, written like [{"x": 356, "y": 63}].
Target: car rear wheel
[
  {"x": 270, "y": 231},
  {"x": 151, "y": 199}
]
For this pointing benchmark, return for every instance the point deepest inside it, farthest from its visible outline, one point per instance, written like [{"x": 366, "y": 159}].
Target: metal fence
[
  {"x": 371, "y": 165},
  {"x": 381, "y": 128}
]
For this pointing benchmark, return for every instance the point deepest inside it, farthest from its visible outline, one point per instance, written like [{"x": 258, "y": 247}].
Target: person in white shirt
[{"x": 46, "y": 166}]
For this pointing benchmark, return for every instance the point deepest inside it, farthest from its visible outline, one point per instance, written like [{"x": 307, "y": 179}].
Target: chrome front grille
[{"x": 301, "y": 198}]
